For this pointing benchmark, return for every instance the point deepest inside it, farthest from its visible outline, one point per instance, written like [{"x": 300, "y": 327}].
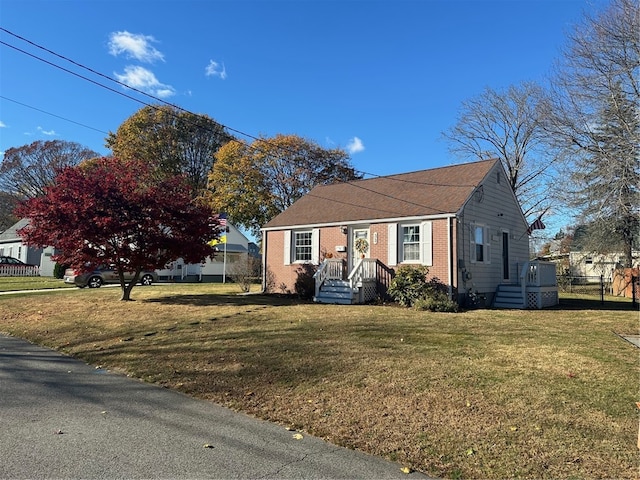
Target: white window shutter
[
  {"x": 487, "y": 245},
  {"x": 426, "y": 243},
  {"x": 392, "y": 244},
  {"x": 315, "y": 246},
  {"x": 287, "y": 247}
]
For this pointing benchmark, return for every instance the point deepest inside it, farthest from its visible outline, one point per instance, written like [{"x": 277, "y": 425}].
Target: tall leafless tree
[
  {"x": 509, "y": 125},
  {"x": 26, "y": 170},
  {"x": 595, "y": 122}
]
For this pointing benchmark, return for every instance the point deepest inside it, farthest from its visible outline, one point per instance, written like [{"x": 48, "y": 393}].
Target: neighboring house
[
  {"x": 211, "y": 271},
  {"x": 11, "y": 245},
  {"x": 228, "y": 257},
  {"x": 462, "y": 221},
  {"x": 593, "y": 265}
]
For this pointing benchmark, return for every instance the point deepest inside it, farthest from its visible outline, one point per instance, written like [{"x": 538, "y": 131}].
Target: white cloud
[
  {"x": 145, "y": 80},
  {"x": 134, "y": 45},
  {"x": 214, "y": 69},
  {"x": 2, "y": 124},
  {"x": 355, "y": 145},
  {"x": 49, "y": 133}
]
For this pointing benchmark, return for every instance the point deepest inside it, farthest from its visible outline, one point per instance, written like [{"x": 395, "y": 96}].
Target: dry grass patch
[{"x": 481, "y": 394}]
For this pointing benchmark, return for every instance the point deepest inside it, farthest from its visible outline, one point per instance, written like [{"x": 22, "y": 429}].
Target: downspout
[
  {"x": 264, "y": 261},
  {"x": 450, "y": 256}
]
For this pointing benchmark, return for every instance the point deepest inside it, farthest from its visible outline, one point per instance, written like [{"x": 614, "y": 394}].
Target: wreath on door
[{"x": 362, "y": 246}]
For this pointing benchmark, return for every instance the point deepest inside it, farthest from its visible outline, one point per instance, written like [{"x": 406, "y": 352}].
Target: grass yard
[
  {"x": 9, "y": 284},
  {"x": 480, "y": 394}
]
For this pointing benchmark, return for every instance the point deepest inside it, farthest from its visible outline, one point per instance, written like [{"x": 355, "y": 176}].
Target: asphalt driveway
[{"x": 61, "y": 418}]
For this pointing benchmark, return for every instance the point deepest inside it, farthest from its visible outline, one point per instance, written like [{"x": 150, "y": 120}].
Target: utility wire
[
  {"x": 240, "y": 132},
  {"x": 53, "y": 114}
]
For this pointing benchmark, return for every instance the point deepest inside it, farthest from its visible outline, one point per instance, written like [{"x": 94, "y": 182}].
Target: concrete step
[{"x": 333, "y": 299}]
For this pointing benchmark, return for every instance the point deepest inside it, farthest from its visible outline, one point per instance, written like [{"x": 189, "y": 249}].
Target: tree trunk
[
  {"x": 126, "y": 288},
  {"x": 126, "y": 292}
]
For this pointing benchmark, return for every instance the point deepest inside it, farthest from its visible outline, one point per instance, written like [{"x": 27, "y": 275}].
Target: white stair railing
[
  {"x": 365, "y": 269},
  {"x": 329, "y": 269}
]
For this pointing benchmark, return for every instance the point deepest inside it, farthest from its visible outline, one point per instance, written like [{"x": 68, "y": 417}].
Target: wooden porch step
[
  {"x": 336, "y": 291},
  {"x": 508, "y": 296}
]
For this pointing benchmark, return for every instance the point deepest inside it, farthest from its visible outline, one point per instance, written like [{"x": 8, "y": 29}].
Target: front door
[
  {"x": 505, "y": 255},
  {"x": 359, "y": 245}
]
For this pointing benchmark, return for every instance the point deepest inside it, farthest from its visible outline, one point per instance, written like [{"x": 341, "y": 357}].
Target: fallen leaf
[
  {"x": 406, "y": 470},
  {"x": 513, "y": 429},
  {"x": 470, "y": 451},
  {"x": 297, "y": 436}
]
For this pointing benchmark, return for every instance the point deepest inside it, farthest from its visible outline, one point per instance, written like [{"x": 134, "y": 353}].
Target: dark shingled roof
[{"x": 426, "y": 192}]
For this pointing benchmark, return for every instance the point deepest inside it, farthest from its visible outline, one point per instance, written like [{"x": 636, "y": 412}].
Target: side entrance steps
[
  {"x": 336, "y": 291},
  {"x": 509, "y": 296}
]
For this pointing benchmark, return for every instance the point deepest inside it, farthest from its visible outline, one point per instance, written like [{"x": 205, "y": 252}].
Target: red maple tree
[{"x": 109, "y": 212}]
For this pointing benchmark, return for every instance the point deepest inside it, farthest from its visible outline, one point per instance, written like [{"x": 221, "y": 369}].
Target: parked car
[
  {"x": 12, "y": 267},
  {"x": 102, "y": 275}
]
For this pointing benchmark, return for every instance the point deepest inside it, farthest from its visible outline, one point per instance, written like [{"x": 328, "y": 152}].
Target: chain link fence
[{"x": 598, "y": 286}]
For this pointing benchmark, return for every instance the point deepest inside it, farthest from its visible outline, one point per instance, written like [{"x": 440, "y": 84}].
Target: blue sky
[{"x": 382, "y": 79}]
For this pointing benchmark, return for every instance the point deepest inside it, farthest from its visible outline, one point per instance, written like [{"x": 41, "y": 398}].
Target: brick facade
[{"x": 281, "y": 278}]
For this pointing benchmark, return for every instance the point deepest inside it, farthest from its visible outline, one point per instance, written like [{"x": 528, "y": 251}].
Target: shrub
[
  {"x": 436, "y": 302},
  {"x": 58, "y": 270},
  {"x": 409, "y": 284},
  {"x": 245, "y": 272},
  {"x": 305, "y": 286},
  {"x": 410, "y": 287}
]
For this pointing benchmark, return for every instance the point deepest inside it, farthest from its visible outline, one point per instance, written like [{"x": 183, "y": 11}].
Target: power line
[
  {"x": 186, "y": 111},
  {"x": 95, "y": 72},
  {"x": 240, "y": 132},
  {"x": 53, "y": 115}
]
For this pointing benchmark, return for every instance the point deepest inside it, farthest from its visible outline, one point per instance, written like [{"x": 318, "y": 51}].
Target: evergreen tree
[{"x": 607, "y": 177}]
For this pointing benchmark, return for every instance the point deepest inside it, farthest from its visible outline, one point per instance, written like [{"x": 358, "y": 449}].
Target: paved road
[{"x": 61, "y": 418}]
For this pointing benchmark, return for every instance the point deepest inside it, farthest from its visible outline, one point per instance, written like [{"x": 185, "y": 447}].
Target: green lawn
[
  {"x": 479, "y": 394},
  {"x": 9, "y": 284}
]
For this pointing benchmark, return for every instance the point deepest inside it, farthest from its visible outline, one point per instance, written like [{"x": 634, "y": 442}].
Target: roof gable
[
  {"x": 11, "y": 233},
  {"x": 437, "y": 191}
]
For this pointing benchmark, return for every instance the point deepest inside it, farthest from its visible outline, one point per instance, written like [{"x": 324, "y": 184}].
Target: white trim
[
  {"x": 392, "y": 244},
  {"x": 315, "y": 246},
  {"x": 426, "y": 243},
  {"x": 287, "y": 247},
  {"x": 350, "y": 223}
]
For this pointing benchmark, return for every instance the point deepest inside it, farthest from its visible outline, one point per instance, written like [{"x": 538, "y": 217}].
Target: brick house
[{"x": 463, "y": 222}]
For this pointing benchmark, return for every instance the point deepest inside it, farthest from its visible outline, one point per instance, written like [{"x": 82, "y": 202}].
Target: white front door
[{"x": 360, "y": 245}]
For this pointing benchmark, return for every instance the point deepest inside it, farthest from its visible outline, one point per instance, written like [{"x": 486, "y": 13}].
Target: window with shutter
[
  {"x": 302, "y": 246},
  {"x": 480, "y": 246}
]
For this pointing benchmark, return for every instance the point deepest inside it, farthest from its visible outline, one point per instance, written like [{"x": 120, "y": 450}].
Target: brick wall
[{"x": 283, "y": 277}]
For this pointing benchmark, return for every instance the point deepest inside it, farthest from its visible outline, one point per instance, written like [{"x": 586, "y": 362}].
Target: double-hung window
[
  {"x": 410, "y": 243},
  {"x": 302, "y": 246},
  {"x": 480, "y": 245}
]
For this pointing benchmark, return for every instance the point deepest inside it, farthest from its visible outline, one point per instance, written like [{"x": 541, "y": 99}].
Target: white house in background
[
  {"x": 592, "y": 265},
  {"x": 11, "y": 245},
  {"x": 216, "y": 270}
]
